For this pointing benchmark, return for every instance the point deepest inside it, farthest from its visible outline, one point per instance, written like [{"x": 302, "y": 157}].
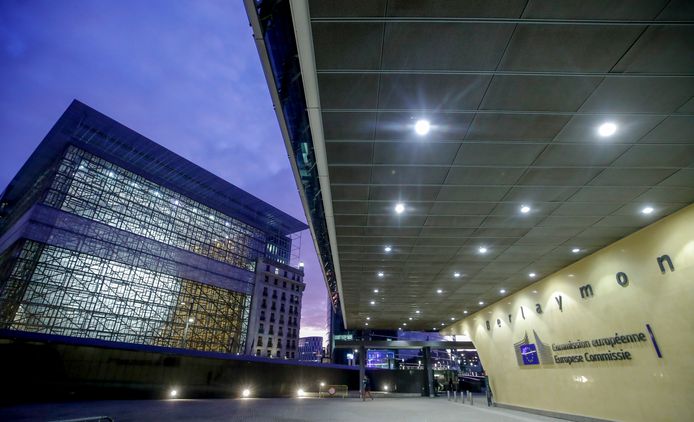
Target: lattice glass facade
[
  {"x": 106, "y": 235},
  {"x": 96, "y": 189},
  {"x": 57, "y": 291}
]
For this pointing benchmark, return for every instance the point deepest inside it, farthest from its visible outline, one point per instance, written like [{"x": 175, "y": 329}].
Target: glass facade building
[{"x": 106, "y": 235}]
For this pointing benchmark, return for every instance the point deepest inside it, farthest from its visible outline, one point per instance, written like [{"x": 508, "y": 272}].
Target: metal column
[
  {"x": 362, "y": 369},
  {"x": 428, "y": 372}
]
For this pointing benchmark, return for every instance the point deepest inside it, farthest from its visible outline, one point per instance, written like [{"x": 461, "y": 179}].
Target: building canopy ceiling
[{"x": 516, "y": 93}]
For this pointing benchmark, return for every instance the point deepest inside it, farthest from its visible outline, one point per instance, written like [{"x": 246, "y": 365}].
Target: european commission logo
[{"x": 535, "y": 353}]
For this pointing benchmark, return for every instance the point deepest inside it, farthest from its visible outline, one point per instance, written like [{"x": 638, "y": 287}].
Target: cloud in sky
[{"x": 186, "y": 74}]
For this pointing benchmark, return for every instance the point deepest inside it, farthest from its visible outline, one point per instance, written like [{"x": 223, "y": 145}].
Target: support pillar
[
  {"x": 428, "y": 372},
  {"x": 362, "y": 369}
]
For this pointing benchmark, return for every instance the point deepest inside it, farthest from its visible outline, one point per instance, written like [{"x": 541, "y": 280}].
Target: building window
[
  {"x": 284, "y": 284},
  {"x": 260, "y": 341},
  {"x": 267, "y": 268},
  {"x": 261, "y": 329},
  {"x": 278, "y": 353},
  {"x": 257, "y": 352}
]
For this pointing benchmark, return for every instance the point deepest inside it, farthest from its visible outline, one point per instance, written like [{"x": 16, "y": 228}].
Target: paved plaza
[{"x": 247, "y": 410}]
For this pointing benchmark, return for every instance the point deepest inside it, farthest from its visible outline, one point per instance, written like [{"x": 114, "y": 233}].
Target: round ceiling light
[
  {"x": 607, "y": 129},
  {"x": 422, "y": 127}
]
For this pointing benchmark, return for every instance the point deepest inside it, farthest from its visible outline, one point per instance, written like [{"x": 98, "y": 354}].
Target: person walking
[
  {"x": 367, "y": 388},
  {"x": 450, "y": 390}
]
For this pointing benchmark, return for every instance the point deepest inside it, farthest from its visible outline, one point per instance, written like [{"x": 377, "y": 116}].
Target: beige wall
[{"x": 645, "y": 388}]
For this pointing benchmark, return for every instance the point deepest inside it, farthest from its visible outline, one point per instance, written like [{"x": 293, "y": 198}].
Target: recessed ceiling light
[
  {"x": 410, "y": 318},
  {"x": 532, "y": 275},
  {"x": 442, "y": 324},
  {"x": 502, "y": 291},
  {"x": 366, "y": 323},
  {"x": 399, "y": 208},
  {"x": 375, "y": 290},
  {"x": 647, "y": 210},
  {"x": 481, "y": 302},
  {"x": 368, "y": 318},
  {"x": 404, "y": 324},
  {"x": 534, "y": 291},
  {"x": 456, "y": 274},
  {"x": 576, "y": 250},
  {"x": 465, "y": 312},
  {"x": 524, "y": 209},
  {"x": 380, "y": 274},
  {"x": 439, "y": 291},
  {"x": 452, "y": 319},
  {"x": 387, "y": 248},
  {"x": 373, "y": 302},
  {"x": 482, "y": 249},
  {"x": 607, "y": 129},
  {"x": 416, "y": 312},
  {"x": 422, "y": 127}
]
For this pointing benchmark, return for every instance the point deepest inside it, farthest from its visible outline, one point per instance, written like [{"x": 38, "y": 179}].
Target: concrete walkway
[{"x": 285, "y": 410}]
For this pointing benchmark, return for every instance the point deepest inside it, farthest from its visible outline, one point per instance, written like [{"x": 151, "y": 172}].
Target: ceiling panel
[
  {"x": 482, "y": 48},
  {"x": 595, "y": 9},
  {"x": 347, "y": 45},
  {"x": 578, "y": 48},
  {"x": 431, "y": 92}
]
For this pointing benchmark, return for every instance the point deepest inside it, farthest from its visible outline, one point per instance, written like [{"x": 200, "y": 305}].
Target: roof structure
[
  {"x": 518, "y": 175},
  {"x": 86, "y": 128}
]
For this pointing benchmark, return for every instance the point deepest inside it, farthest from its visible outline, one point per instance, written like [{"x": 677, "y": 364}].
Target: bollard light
[
  {"x": 322, "y": 384},
  {"x": 385, "y": 387},
  {"x": 300, "y": 392},
  {"x": 246, "y": 392},
  {"x": 173, "y": 393}
]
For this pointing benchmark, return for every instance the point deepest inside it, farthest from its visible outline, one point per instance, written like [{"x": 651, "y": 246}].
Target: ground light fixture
[
  {"x": 647, "y": 210},
  {"x": 246, "y": 393},
  {"x": 173, "y": 393},
  {"x": 607, "y": 129},
  {"x": 385, "y": 388},
  {"x": 399, "y": 208},
  {"x": 300, "y": 392},
  {"x": 422, "y": 127},
  {"x": 524, "y": 209},
  {"x": 387, "y": 248}
]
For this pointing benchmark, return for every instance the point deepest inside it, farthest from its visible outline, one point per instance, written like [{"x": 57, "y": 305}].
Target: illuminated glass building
[{"x": 106, "y": 235}]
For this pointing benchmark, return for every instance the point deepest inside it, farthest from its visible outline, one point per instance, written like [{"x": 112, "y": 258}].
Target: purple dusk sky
[{"x": 186, "y": 74}]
